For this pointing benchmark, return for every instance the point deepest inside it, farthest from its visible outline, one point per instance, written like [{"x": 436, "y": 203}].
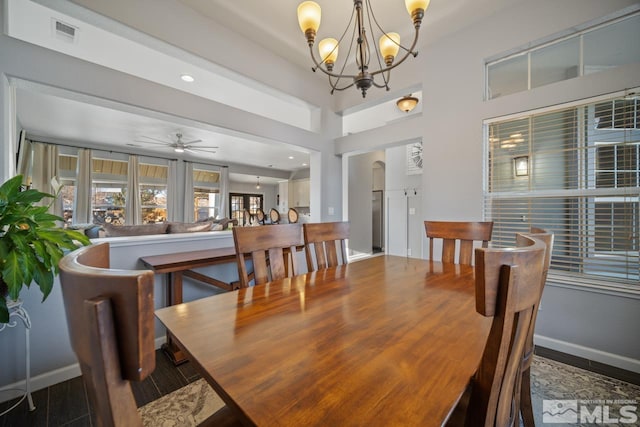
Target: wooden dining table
[{"x": 383, "y": 341}]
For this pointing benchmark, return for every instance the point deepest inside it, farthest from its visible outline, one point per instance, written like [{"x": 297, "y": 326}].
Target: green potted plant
[{"x": 31, "y": 244}]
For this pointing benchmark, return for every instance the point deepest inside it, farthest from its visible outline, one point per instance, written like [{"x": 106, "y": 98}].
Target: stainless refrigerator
[{"x": 377, "y": 221}]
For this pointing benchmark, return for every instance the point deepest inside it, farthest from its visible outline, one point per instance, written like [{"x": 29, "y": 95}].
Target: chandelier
[{"x": 389, "y": 44}]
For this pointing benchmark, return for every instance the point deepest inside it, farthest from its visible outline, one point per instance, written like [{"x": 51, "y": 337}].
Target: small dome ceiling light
[{"x": 407, "y": 103}]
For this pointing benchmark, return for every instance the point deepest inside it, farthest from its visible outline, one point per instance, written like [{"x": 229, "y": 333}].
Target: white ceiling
[
  {"x": 270, "y": 24},
  {"x": 57, "y": 119},
  {"x": 274, "y": 24}
]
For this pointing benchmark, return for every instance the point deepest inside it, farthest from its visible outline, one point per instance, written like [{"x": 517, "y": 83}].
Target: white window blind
[{"x": 574, "y": 171}]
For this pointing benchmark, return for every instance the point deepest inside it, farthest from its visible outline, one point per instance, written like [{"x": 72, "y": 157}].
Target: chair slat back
[
  {"x": 267, "y": 247},
  {"x": 526, "y": 406},
  {"x": 292, "y": 216},
  {"x": 328, "y": 241},
  {"x": 274, "y": 216},
  {"x": 547, "y": 238},
  {"x": 260, "y": 216},
  {"x": 110, "y": 320},
  {"x": 464, "y": 232},
  {"x": 246, "y": 217},
  {"x": 507, "y": 288}
]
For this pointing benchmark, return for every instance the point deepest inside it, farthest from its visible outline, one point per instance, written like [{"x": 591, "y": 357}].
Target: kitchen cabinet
[
  {"x": 299, "y": 193},
  {"x": 283, "y": 196}
]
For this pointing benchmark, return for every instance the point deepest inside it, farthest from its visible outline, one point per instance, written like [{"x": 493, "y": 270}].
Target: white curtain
[
  {"x": 173, "y": 195},
  {"x": 188, "y": 193},
  {"x": 224, "y": 192},
  {"x": 45, "y": 167},
  {"x": 82, "y": 198},
  {"x": 133, "y": 205}
]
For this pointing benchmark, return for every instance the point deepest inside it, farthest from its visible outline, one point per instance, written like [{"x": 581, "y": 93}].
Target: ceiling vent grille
[{"x": 64, "y": 31}]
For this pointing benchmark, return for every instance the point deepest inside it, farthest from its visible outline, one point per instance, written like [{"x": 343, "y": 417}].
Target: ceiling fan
[{"x": 180, "y": 146}]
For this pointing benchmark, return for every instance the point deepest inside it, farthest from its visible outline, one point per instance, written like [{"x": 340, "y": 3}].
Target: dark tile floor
[{"x": 66, "y": 404}]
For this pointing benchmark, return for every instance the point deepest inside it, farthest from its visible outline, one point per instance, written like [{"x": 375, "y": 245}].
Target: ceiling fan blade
[
  {"x": 202, "y": 150},
  {"x": 192, "y": 142},
  {"x": 166, "y": 144},
  {"x": 155, "y": 139},
  {"x": 201, "y": 147}
]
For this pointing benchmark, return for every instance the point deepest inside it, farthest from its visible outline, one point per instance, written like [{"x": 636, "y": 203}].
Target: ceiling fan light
[
  {"x": 178, "y": 149},
  {"x": 407, "y": 103}
]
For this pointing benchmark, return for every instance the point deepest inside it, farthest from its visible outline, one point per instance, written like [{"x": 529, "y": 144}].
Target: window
[
  {"x": 67, "y": 167},
  {"x": 582, "y": 182},
  {"x": 153, "y": 192},
  {"x": 240, "y": 202},
  {"x": 109, "y": 188},
  {"x": 593, "y": 49},
  {"x": 206, "y": 194}
]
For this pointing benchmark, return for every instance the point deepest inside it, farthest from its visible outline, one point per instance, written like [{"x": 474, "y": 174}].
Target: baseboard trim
[
  {"x": 159, "y": 341},
  {"x": 600, "y": 362},
  {"x": 47, "y": 379},
  {"x": 40, "y": 381}
]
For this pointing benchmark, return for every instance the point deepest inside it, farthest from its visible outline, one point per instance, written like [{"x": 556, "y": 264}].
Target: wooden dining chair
[
  {"x": 526, "y": 407},
  {"x": 507, "y": 289},
  {"x": 246, "y": 217},
  {"x": 271, "y": 250},
  {"x": 325, "y": 240},
  {"x": 274, "y": 216},
  {"x": 464, "y": 232},
  {"x": 260, "y": 216},
  {"x": 292, "y": 216},
  {"x": 110, "y": 317}
]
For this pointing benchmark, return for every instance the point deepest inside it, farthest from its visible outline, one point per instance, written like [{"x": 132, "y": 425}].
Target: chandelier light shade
[
  {"x": 407, "y": 103},
  {"x": 362, "y": 25}
]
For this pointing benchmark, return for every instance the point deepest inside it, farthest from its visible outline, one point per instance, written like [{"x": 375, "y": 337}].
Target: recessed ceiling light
[
  {"x": 304, "y": 164},
  {"x": 290, "y": 157},
  {"x": 187, "y": 78}
]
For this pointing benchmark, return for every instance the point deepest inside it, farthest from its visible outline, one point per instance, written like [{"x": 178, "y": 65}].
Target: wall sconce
[
  {"x": 258, "y": 184},
  {"x": 521, "y": 165}
]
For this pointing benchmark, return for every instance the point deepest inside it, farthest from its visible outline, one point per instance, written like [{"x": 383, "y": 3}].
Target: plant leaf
[
  {"x": 44, "y": 278},
  {"x": 12, "y": 274},
  {"x": 10, "y": 188}
]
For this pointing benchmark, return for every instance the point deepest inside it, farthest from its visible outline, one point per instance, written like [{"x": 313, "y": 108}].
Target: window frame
[{"x": 590, "y": 194}]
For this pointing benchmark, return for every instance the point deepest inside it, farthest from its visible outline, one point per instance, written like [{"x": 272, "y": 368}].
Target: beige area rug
[{"x": 187, "y": 406}]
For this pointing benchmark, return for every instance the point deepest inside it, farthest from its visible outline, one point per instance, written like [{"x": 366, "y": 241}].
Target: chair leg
[{"x": 526, "y": 408}]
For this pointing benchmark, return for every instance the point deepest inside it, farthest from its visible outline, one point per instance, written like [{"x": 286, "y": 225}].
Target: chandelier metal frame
[{"x": 363, "y": 79}]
